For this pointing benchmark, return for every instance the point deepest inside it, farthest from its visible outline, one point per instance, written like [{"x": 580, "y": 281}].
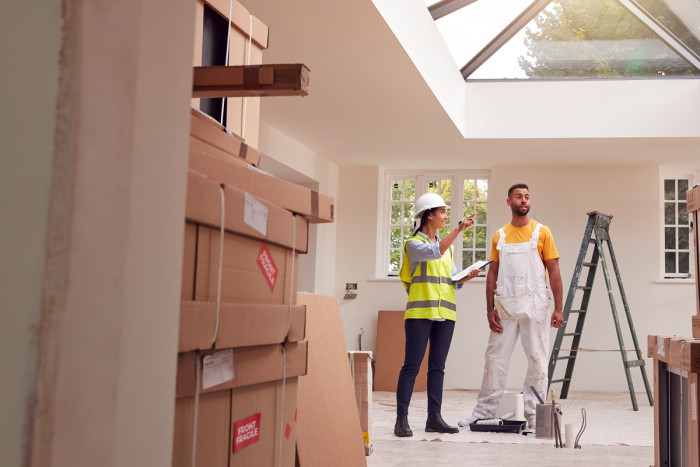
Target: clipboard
[{"x": 463, "y": 273}]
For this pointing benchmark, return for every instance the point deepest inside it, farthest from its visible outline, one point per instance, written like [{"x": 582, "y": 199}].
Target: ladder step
[
  {"x": 572, "y": 334},
  {"x": 563, "y": 380},
  {"x": 577, "y": 311},
  {"x": 583, "y": 287},
  {"x": 568, "y": 357},
  {"x": 633, "y": 363},
  {"x": 590, "y": 264}
]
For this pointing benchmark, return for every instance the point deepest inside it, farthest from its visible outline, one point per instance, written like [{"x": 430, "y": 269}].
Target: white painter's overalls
[{"x": 522, "y": 301}]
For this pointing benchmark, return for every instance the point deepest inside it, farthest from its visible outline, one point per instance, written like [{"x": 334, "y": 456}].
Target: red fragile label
[
  {"x": 246, "y": 431},
  {"x": 267, "y": 265},
  {"x": 287, "y": 431}
]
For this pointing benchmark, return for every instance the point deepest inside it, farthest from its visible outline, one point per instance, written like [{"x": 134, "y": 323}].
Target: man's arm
[
  {"x": 552, "y": 266},
  {"x": 491, "y": 313}
]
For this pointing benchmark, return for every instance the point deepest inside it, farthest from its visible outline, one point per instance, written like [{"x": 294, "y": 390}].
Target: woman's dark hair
[{"x": 423, "y": 219}]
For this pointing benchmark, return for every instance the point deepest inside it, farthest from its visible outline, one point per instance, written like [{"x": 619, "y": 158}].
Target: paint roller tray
[{"x": 509, "y": 426}]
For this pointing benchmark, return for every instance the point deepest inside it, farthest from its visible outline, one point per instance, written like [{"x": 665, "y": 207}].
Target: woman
[{"x": 426, "y": 273}]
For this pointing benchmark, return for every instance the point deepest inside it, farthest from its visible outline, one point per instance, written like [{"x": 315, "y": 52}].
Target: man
[{"x": 518, "y": 304}]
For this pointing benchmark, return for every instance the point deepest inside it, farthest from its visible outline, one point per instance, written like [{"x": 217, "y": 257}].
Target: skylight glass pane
[
  {"x": 680, "y": 17},
  {"x": 584, "y": 39},
  {"x": 469, "y": 29}
]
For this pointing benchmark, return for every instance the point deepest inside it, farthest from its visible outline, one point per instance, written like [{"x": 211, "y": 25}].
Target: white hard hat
[{"x": 428, "y": 201}]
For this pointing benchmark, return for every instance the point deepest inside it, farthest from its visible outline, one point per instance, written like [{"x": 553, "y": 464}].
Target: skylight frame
[{"x": 446, "y": 7}]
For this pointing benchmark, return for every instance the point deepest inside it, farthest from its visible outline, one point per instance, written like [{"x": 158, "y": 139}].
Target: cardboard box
[
  {"x": 664, "y": 348},
  {"x": 251, "y": 365},
  {"x": 696, "y": 326},
  {"x": 676, "y": 425},
  {"x": 264, "y": 424},
  {"x": 692, "y": 197},
  {"x": 189, "y": 256},
  {"x": 391, "y": 342},
  {"x": 248, "y": 38},
  {"x": 361, "y": 369},
  {"x": 252, "y": 271},
  {"x": 239, "y": 427},
  {"x": 235, "y": 173},
  {"x": 244, "y": 213},
  {"x": 208, "y": 130},
  {"x": 240, "y": 325},
  {"x": 213, "y": 428},
  {"x": 245, "y": 23},
  {"x": 689, "y": 351},
  {"x": 329, "y": 431}
]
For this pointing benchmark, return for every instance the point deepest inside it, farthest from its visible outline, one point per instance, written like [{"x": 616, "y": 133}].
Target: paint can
[
  {"x": 512, "y": 402},
  {"x": 545, "y": 421}
]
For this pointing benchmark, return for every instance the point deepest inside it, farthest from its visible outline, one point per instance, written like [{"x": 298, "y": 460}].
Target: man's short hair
[{"x": 516, "y": 186}]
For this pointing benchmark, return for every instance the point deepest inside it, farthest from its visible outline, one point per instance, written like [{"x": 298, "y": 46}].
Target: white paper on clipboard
[{"x": 463, "y": 273}]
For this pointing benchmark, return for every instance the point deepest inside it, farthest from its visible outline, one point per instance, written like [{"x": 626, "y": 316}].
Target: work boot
[
  {"x": 435, "y": 424},
  {"x": 402, "y": 429}
]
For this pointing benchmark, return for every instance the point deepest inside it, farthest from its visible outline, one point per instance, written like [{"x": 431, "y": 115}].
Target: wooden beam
[{"x": 251, "y": 80}]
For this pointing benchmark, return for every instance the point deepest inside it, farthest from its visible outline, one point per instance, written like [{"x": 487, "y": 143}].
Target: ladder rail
[
  {"x": 569, "y": 301},
  {"x": 618, "y": 331},
  {"x": 628, "y": 313},
  {"x": 576, "y": 340}
]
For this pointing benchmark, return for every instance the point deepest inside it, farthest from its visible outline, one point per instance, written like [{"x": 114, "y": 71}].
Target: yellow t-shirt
[{"x": 545, "y": 246}]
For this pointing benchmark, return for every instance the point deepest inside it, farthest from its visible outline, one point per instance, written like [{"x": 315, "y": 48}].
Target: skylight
[{"x": 565, "y": 39}]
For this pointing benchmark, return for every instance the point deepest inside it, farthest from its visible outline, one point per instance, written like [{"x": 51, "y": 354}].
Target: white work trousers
[{"x": 523, "y": 303}]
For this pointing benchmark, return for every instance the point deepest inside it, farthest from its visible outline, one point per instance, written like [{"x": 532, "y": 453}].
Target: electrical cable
[{"x": 580, "y": 432}]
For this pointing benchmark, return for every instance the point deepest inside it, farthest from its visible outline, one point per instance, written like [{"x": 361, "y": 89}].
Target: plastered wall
[{"x": 561, "y": 197}]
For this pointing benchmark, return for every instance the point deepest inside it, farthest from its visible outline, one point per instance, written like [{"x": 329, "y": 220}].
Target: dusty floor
[{"x": 615, "y": 434}]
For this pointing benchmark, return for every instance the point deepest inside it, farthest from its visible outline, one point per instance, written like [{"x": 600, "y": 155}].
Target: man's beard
[{"x": 517, "y": 211}]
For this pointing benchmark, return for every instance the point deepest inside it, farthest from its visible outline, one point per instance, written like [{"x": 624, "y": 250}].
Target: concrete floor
[{"x": 615, "y": 434}]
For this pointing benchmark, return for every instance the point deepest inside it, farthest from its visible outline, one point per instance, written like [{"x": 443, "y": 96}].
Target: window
[
  {"x": 676, "y": 225},
  {"x": 464, "y": 193}
]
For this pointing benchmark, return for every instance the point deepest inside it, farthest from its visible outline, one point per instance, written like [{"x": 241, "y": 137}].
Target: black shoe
[
  {"x": 401, "y": 428},
  {"x": 436, "y": 424}
]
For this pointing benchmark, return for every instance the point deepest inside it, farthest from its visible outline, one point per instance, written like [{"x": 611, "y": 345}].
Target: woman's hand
[
  {"x": 472, "y": 274},
  {"x": 466, "y": 223}
]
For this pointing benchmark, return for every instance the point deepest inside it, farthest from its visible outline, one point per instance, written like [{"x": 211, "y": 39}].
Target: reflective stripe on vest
[{"x": 430, "y": 287}]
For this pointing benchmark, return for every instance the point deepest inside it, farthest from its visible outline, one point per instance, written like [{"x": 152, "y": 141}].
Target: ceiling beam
[
  {"x": 664, "y": 34},
  {"x": 445, "y": 7},
  {"x": 504, "y": 36}
]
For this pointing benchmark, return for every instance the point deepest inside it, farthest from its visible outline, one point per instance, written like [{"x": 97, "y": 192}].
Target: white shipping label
[
  {"x": 255, "y": 214},
  {"x": 217, "y": 368},
  {"x": 660, "y": 347},
  {"x": 693, "y": 403}
]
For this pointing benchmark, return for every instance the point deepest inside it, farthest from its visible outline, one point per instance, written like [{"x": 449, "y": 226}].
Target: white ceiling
[{"x": 369, "y": 105}]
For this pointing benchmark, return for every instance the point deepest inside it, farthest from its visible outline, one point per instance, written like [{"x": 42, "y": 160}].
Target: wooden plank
[{"x": 251, "y": 80}]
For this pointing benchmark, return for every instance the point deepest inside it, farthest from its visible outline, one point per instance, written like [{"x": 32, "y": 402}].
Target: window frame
[
  {"x": 421, "y": 178},
  {"x": 674, "y": 174}
]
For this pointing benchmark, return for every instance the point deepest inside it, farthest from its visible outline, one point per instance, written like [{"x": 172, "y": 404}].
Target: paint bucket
[
  {"x": 512, "y": 402},
  {"x": 545, "y": 421}
]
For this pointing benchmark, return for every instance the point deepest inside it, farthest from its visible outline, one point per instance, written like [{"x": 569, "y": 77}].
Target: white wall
[
  {"x": 561, "y": 197},
  {"x": 322, "y": 237}
]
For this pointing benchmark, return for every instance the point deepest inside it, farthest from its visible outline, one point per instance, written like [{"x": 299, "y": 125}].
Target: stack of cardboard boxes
[
  {"x": 242, "y": 340},
  {"x": 676, "y": 377}
]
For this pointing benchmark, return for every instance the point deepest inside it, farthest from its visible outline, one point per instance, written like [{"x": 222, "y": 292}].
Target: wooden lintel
[{"x": 251, "y": 80}]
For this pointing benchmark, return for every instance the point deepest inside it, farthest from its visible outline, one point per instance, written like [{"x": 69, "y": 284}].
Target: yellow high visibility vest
[{"x": 431, "y": 292}]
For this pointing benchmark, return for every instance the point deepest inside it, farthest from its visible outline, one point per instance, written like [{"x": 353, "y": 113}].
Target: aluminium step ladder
[{"x": 595, "y": 235}]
